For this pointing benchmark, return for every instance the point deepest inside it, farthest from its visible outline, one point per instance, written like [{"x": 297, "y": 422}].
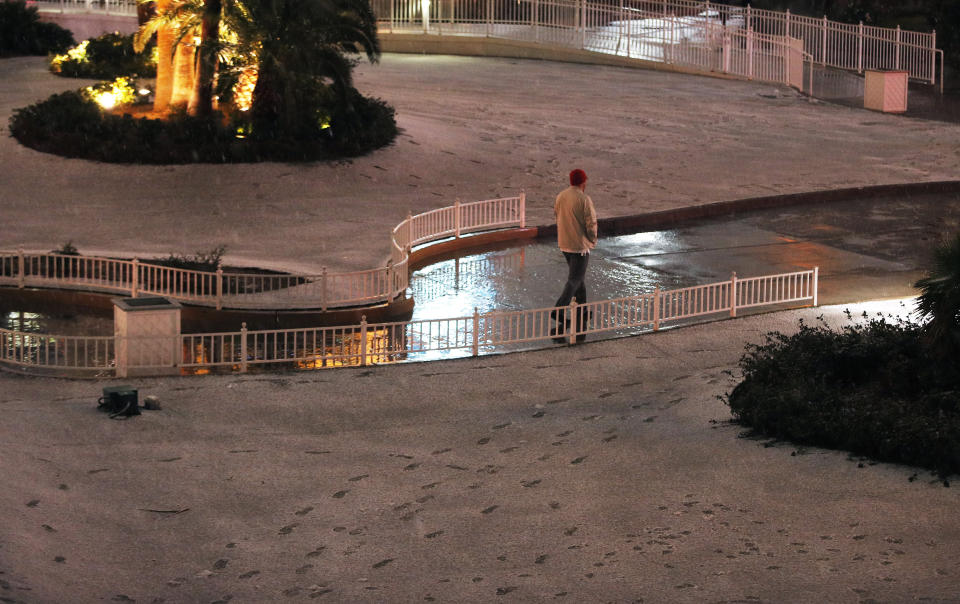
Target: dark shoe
[
  {"x": 557, "y": 333},
  {"x": 581, "y": 337}
]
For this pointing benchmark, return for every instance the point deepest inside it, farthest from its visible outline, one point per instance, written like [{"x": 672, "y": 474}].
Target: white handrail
[
  {"x": 258, "y": 291},
  {"x": 378, "y": 343},
  {"x": 683, "y": 32}
]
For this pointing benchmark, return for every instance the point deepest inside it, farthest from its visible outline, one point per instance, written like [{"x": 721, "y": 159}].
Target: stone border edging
[{"x": 620, "y": 225}]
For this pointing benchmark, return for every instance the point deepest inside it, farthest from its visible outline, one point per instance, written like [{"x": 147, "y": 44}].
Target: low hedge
[
  {"x": 871, "y": 389},
  {"x": 70, "y": 124}
]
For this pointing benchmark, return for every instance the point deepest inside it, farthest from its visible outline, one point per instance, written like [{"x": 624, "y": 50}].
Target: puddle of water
[
  {"x": 532, "y": 273},
  {"x": 64, "y": 324}
]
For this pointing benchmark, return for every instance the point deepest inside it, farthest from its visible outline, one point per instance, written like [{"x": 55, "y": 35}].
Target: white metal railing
[
  {"x": 107, "y": 7},
  {"x": 380, "y": 343},
  {"x": 247, "y": 290},
  {"x": 683, "y": 32},
  {"x": 34, "y": 350}
]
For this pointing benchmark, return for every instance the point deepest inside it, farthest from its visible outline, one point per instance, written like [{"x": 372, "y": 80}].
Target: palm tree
[
  {"x": 939, "y": 300},
  {"x": 302, "y": 49}
]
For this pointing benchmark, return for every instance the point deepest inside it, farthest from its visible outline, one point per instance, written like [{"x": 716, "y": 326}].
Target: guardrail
[
  {"x": 223, "y": 289},
  {"x": 379, "y": 343}
]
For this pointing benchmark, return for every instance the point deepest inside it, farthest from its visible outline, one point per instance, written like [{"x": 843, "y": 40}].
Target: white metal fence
[
  {"x": 225, "y": 289},
  {"x": 701, "y": 35},
  {"x": 107, "y": 7},
  {"x": 379, "y": 343},
  {"x": 683, "y": 32}
]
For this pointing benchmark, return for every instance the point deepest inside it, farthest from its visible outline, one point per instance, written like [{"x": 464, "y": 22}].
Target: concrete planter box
[
  {"x": 148, "y": 336},
  {"x": 886, "y": 91}
]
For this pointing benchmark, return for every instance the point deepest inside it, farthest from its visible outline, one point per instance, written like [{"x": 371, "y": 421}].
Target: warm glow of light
[
  {"x": 346, "y": 352},
  {"x": 113, "y": 94},
  {"x": 78, "y": 54},
  {"x": 243, "y": 89},
  {"x": 107, "y": 100}
]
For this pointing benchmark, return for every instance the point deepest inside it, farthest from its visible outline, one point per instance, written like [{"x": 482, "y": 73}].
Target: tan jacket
[{"x": 576, "y": 221}]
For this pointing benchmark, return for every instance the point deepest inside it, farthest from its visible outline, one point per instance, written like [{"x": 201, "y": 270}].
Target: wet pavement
[{"x": 866, "y": 249}]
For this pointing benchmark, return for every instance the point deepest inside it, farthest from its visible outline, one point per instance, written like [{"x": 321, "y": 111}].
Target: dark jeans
[{"x": 576, "y": 279}]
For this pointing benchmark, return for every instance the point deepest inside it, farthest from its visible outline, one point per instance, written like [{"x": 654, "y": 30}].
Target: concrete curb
[{"x": 620, "y": 225}]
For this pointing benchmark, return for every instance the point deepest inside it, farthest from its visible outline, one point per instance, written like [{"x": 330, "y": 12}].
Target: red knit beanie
[{"x": 578, "y": 177}]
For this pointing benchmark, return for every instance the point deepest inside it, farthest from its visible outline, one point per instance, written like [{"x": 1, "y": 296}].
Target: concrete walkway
[{"x": 601, "y": 472}]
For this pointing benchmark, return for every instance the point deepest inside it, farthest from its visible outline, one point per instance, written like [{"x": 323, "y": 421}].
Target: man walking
[{"x": 576, "y": 236}]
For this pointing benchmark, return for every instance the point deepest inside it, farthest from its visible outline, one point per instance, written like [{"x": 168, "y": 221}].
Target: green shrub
[
  {"x": 108, "y": 56},
  {"x": 870, "y": 389},
  {"x": 939, "y": 300},
  {"x": 22, "y": 32},
  {"x": 70, "y": 124}
]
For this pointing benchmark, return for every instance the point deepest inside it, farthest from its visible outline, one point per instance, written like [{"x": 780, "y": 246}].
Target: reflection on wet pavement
[{"x": 854, "y": 243}]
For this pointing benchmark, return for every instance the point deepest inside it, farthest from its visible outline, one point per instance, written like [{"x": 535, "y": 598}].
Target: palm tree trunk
[
  {"x": 268, "y": 97},
  {"x": 201, "y": 101},
  {"x": 164, "y": 86},
  {"x": 183, "y": 74}
]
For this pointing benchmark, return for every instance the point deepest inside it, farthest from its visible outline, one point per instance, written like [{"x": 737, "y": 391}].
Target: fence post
[
  {"x": 476, "y": 331},
  {"x": 363, "y": 341},
  {"x": 933, "y": 61},
  {"x": 572, "y": 317},
  {"x": 656, "y": 308},
  {"x": 523, "y": 210},
  {"x": 134, "y": 278},
  {"x": 823, "y": 56},
  {"x": 860, "y": 48},
  {"x": 21, "y": 278},
  {"x": 750, "y": 53},
  {"x": 489, "y": 6},
  {"x": 787, "y": 24},
  {"x": 425, "y": 15},
  {"x": 409, "y": 245},
  {"x": 390, "y": 288},
  {"x": 534, "y": 17},
  {"x": 219, "y": 285},
  {"x": 583, "y": 24},
  {"x": 456, "y": 218},
  {"x": 323, "y": 289},
  {"x": 816, "y": 284},
  {"x": 726, "y": 52},
  {"x": 896, "y": 64},
  {"x": 243, "y": 347},
  {"x": 749, "y": 23},
  {"x": 628, "y": 24},
  {"x": 733, "y": 294},
  {"x": 673, "y": 23}
]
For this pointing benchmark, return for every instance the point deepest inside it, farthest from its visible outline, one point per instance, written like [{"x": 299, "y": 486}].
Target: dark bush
[
  {"x": 71, "y": 125},
  {"x": 870, "y": 389},
  {"x": 108, "y": 56},
  {"x": 22, "y": 32}
]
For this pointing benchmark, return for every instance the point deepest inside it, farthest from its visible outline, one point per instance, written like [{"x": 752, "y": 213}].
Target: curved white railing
[
  {"x": 378, "y": 343},
  {"x": 102, "y": 7},
  {"x": 224, "y": 289},
  {"x": 683, "y": 32}
]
